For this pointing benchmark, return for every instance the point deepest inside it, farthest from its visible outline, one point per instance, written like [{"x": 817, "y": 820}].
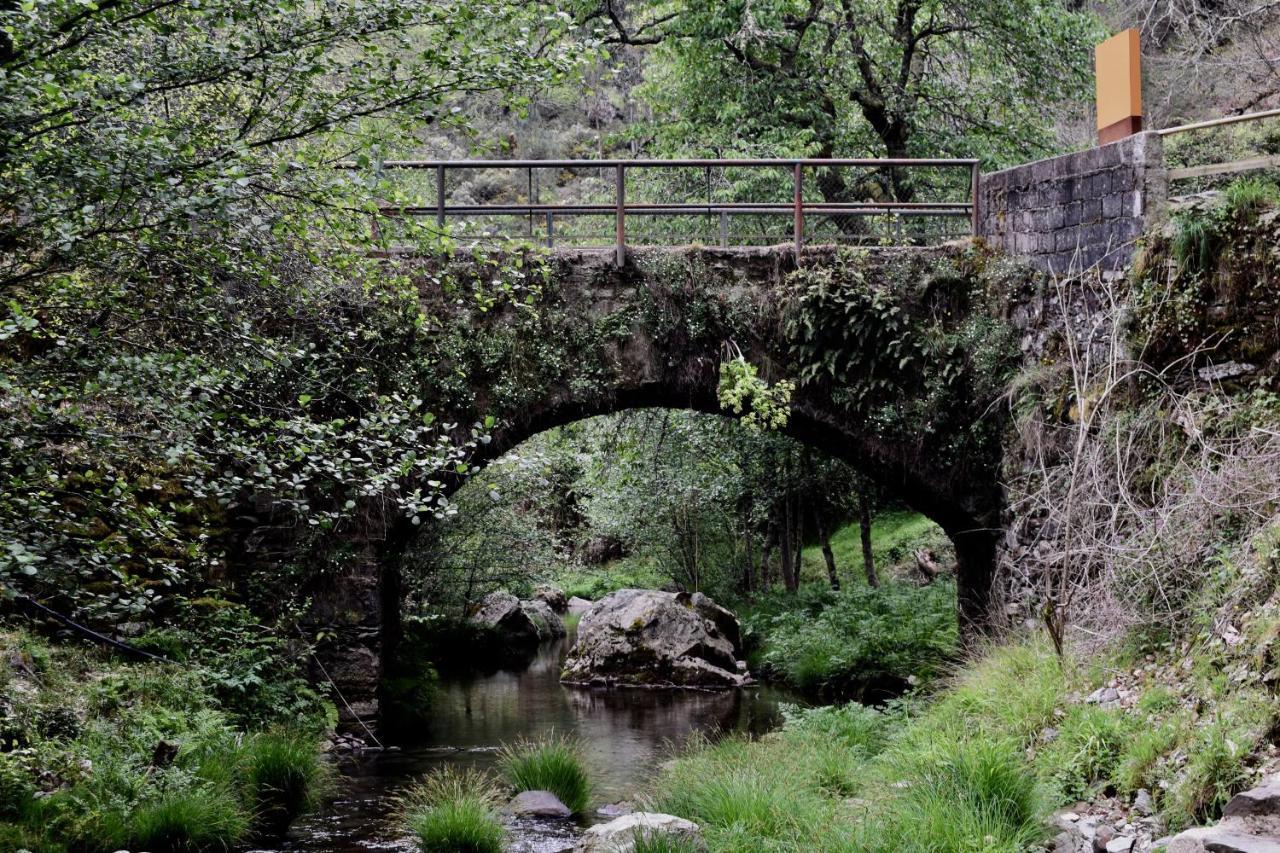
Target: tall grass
[
  {"x": 285, "y": 777},
  {"x": 962, "y": 796},
  {"x": 454, "y": 811},
  {"x": 193, "y": 819},
  {"x": 553, "y": 765}
]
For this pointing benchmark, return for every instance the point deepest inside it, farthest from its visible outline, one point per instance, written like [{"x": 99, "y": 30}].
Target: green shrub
[
  {"x": 841, "y": 644},
  {"x": 1087, "y": 750},
  {"x": 553, "y": 765},
  {"x": 1245, "y": 198},
  {"x": 16, "y": 788},
  {"x": 284, "y": 776},
  {"x": 454, "y": 812}
]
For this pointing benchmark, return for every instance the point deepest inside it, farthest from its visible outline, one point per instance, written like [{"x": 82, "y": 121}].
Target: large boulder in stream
[
  {"x": 657, "y": 639},
  {"x": 520, "y": 623}
]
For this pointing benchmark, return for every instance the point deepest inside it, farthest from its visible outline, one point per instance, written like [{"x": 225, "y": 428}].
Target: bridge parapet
[{"x": 1078, "y": 210}]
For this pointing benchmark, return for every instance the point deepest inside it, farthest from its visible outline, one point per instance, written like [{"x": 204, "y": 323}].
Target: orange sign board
[{"x": 1118, "y": 62}]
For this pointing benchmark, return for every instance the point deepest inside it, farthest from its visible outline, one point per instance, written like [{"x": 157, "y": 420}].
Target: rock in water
[
  {"x": 538, "y": 804},
  {"x": 520, "y": 623},
  {"x": 620, "y": 835},
  {"x": 502, "y": 612},
  {"x": 659, "y": 639},
  {"x": 550, "y": 626},
  {"x": 553, "y": 595}
]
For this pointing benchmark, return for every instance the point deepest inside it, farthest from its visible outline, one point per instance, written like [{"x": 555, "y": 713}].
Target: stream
[{"x": 624, "y": 733}]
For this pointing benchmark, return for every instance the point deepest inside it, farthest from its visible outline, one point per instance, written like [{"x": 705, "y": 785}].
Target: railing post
[
  {"x": 797, "y": 181},
  {"x": 724, "y": 229},
  {"x": 440, "y": 198},
  {"x": 551, "y": 232},
  {"x": 975, "y": 184},
  {"x": 620, "y": 201}
]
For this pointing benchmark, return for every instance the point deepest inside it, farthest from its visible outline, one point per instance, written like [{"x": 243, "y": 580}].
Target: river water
[{"x": 625, "y": 734}]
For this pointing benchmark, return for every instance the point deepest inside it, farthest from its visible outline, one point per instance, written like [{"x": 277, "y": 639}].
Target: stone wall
[{"x": 1072, "y": 212}]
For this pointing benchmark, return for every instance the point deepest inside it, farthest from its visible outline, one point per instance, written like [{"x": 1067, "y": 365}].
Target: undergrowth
[{"x": 100, "y": 755}]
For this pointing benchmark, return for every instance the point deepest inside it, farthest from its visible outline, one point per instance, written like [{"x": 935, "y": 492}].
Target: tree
[
  {"x": 831, "y": 78},
  {"x": 192, "y": 333}
]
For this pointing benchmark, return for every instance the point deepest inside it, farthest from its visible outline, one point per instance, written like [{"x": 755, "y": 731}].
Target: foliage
[
  {"x": 858, "y": 640},
  {"x": 904, "y": 352},
  {"x": 193, "y": 334},
  {"x": 144, "y": 756},
  {"x": 454, "y": 811},
  {"x": 743, "y": 392},
  {"x": 967, "y": 795},
  {"x": 1087, "y": 749},
  {"x": 866, "y": 78},
  {"x": 553, "y": 764}
]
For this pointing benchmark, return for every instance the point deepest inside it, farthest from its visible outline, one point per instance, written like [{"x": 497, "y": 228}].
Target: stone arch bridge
[{"x": 900, "y": 355}]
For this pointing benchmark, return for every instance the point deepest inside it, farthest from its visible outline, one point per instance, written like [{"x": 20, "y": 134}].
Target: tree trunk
[
  {"x": 864, "y": 530},
  {"x": 749, "y": 546},
  {"x": 827, "y": 554},
  {"x": 766, "y": 557},
  {"x": 787, "y": 556},
  {"x": 799, "y": 542}
]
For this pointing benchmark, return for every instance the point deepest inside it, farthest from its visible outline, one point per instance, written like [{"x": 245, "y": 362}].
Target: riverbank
[
  {"x": 101, "y": 755},
  {"x": 1014, "y": 748}
]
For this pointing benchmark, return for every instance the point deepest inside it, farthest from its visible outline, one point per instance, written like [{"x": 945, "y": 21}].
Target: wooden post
[
  {"x": 620, "y": 200},
  {"x": 724, "y": 229},
  {"x": 440, "y": 197},
  {"x": 1118, "y": 65},
  {"x": 797, "y": 182},
  {"x": 551, "y": 229}
]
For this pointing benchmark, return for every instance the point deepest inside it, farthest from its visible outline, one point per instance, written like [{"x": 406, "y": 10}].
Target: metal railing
[
  {"x": 1271, "y": 161},
  {"x": 619, "y": 208}
]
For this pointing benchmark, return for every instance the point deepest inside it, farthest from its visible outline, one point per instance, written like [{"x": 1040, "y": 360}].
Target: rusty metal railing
[
  {"x": 796, "y": 208},
  {"x": 1270, "y": 161}
]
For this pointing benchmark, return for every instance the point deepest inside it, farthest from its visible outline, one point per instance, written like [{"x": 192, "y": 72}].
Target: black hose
[{"x": 35, "y": 608}]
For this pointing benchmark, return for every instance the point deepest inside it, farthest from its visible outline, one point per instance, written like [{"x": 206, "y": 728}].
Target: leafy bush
[
  {"x": 16, "y": 788},
  {"x": 454, "y": 811},
  {"x": 117, "y": 790},
  {"x": 553, "y": 765},
  {"x": 860, "y": 639}
]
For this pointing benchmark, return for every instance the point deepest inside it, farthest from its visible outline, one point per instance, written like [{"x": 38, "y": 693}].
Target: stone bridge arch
[
  {"x": 899, "y": 354},
  {"x": 581, "y": 336}
]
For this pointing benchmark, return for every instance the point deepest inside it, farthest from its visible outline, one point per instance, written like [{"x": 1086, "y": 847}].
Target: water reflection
[{"x": 625, "y": 735}]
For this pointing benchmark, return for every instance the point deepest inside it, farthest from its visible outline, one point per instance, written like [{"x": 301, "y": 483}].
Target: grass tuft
[
  {"x": 553, "y": 765},
  {"x": 285, "y": 778},
  {"x": 454, "y": 811},
  {"x": 191, "y": 819}
]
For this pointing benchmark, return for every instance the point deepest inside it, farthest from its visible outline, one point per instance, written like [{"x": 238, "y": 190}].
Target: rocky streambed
[{"x": 625, "y": 732}]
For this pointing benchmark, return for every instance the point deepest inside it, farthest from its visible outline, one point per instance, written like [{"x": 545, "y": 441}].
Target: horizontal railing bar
[
  {"x": 658, "y": 164},
  {"x": 1269, "y": 162},
  {"x": 1219, "y": 122},
  {"x": 905, "y": 209}
]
